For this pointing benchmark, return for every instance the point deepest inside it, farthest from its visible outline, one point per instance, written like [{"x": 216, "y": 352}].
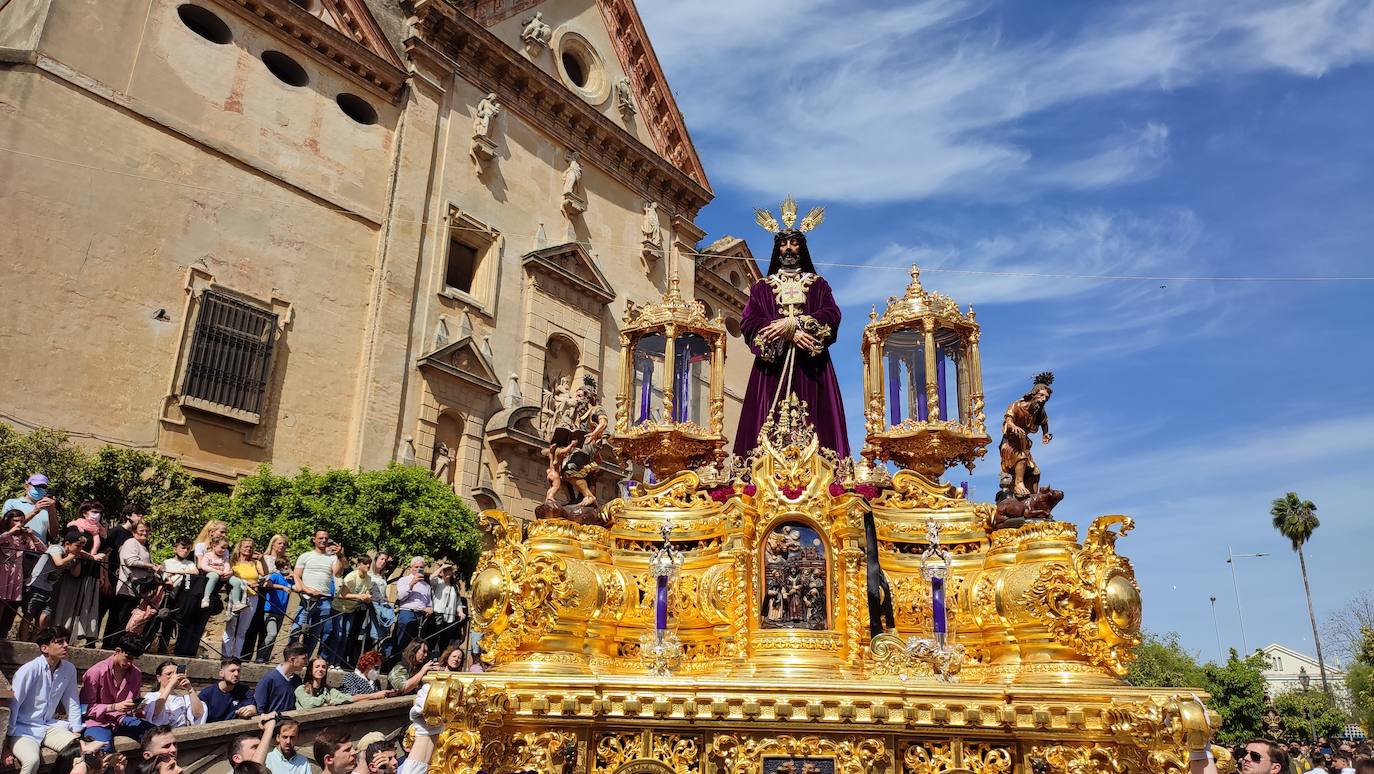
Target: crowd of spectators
[
  {"x": 79, "y": 719},
  {"x": 336, "y": 604},
  {"x": 59, "y": 585}
]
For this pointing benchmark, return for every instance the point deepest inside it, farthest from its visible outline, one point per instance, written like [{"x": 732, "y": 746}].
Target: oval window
[
  {"x": 356, "y": 108},
  {"x": 286, "y": 69},
  {"x": 575, "y": 68},
  {"x": 205, "y": 23}
]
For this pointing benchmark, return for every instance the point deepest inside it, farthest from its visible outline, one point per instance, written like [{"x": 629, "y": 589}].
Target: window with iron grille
[{"x": 231, "y": 351}]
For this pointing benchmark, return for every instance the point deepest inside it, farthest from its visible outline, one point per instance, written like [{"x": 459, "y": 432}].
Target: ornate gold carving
[
  {"x": 928, "y": 758},
  {"x": 743, "y": 754},
  {"x": 984, "y": 758},
  {"x": 680, "y": 752},
  {"x": 540, "y": 751},
  {"x": 1092, "y": 603},
  {"x": 614, "y": 750}
]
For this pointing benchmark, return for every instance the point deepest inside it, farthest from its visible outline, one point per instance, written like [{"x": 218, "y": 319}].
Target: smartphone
[{"x": 181, "y": 669}]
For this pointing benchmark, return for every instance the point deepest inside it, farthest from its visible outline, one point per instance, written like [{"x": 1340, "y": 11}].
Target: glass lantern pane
[
  {"x": 955, "y": 383},
  {"x": 904, "y": 367},
  {"x": 647, "y": 403},
  {"x": 692, "y": 383}
]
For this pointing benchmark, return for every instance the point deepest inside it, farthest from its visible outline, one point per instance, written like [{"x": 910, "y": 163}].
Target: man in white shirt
[
  {"x": 284, "y": 759},
  {"x": 314, "y": 578},
  {"x": 41, "y": 687}
]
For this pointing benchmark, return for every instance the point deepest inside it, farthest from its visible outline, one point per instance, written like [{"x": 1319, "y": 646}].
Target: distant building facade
[
  {"x": 336, "y": 233},
  {"x": 1286, "y": 666}
]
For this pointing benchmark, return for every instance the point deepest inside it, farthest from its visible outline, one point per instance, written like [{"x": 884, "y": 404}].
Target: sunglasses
[{"x": 1254, "y": 756}]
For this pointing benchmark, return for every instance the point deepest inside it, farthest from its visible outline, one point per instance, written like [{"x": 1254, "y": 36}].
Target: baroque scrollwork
[
  {"x": 743, "y": 754},
  {"x": 1092, "y": 603}
]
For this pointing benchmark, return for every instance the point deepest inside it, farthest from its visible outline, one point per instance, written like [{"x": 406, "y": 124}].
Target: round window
[
  {"x": 205, "y": 23},
  {"x": 580, "y": 67},
  {"x": 575, "y": 68}
]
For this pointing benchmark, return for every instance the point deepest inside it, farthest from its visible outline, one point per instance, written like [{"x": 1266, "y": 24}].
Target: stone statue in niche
[
  {"x": 556, "y": 407},
  {"x": 625, "y": 96},
  {"x": 535, "y": 33},
  {"x": 794, "y": 575},
  {"x": 442, "y": 462},
  {"x": 573, "y": 201}
]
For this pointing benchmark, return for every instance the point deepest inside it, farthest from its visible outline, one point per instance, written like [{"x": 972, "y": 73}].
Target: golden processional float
[{"x": 718, "y": 620}]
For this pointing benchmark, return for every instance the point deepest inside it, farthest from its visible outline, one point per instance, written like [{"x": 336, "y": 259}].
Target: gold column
[
  {"x": 962, "y": 373},
  {"x": 932, "y": 385},
  {"x": 877, "y": 393},
  {"x": 976, "y": 377},
  {"x": 718, "y": 386},
  {"x": 669, "y": 371},
  {"x": 624, "y": 401}
]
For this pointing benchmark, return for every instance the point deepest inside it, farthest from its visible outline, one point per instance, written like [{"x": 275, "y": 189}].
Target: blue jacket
[{"x": 276, "y": 693}]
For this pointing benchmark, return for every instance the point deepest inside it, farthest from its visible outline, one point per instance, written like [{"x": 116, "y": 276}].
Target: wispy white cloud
[
  {"x": 893, "y": 103},
  {"x": 1086, "y": 242},
  {"x": 1132, "y": 155}
]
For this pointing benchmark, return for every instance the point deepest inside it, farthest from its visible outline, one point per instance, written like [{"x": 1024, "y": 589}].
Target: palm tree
[{"x": 1296, "y": 519}]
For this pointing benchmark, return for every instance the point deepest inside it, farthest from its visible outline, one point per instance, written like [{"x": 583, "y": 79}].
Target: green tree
[
  {"x": 112, "y": 476},
  {"x": 1310, "y": 714},
  {"x": 400, "y": 509},
  {"x": 1296, "y": 519},
  {"x": 1359, "y": 680},
  {"x": 1237, "y": 690},
  {"x": 1162, "y": 662}
]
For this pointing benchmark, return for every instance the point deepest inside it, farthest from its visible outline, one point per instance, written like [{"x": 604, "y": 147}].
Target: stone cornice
[
  {"x": 381, "y": 73},
  {"x": 637, "y": 56},
  {"x": 445, "y": 38}
]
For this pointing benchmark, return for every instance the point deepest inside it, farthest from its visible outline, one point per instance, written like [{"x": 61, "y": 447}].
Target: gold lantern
[
  {"x": 670, "y": 409},
  {"x": 923, "y": 383}
]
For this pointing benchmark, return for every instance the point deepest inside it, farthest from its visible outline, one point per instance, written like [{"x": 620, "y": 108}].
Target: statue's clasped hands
[{"x": 785, "y": 328}]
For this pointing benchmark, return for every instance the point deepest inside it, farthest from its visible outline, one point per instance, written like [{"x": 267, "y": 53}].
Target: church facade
[{"x": 338, "y": 233}]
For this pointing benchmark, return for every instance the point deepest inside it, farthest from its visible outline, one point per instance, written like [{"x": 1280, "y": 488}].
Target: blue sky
[{"x": 1161, "y": 138}]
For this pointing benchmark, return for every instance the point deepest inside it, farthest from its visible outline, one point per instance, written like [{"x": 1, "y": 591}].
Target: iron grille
[{"x": 230, "y": 353}]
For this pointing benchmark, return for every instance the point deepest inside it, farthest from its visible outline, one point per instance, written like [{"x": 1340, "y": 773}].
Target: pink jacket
[{"x": 100, "y": 689}]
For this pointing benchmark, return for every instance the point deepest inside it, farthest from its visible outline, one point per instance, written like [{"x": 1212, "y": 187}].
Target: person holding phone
[
  {"x": 173, "y": 703},
  {"x": 39, "y": 507}
]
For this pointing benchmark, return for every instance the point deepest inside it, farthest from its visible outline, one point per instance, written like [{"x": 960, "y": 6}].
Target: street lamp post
[
  {"x": 1231, "y": 560},
  {"x": 1305, "y": 680},
  {"x": 1221, "y": 655}
]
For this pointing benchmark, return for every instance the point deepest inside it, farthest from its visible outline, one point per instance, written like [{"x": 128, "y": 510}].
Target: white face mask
[{"x": 374, "y": 675}]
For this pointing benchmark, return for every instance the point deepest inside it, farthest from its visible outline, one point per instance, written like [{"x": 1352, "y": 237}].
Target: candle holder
[
  {"x": 670, "y": 411},
  {"x": 923, "y": 383},
  {"x": 661, "y": 650}
]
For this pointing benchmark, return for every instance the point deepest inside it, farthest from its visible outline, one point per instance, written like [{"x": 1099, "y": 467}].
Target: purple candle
[
  {"x": 894, "y": 390},
  {"x": 937, "y": 607},
  {"x": 919, "y": 390},
  {"x": 646, "y": 388},
  {"x": 940, "y": 380},
  {"x": 661, "y": 605}
]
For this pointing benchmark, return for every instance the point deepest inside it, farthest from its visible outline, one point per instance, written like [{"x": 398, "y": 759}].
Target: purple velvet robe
[{"x": 813, "y": 380}]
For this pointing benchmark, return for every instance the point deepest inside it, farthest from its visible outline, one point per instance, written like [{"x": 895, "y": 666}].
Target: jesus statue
[{"x": 789, "y": 323}]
